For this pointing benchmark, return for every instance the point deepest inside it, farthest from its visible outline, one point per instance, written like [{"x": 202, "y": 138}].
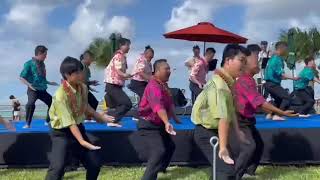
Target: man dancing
[
  {"x": 274, "y": 74},
  {"x": 34, "y": 76}
]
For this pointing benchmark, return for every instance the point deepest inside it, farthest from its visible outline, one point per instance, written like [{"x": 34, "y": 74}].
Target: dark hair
[
  {"x": 40, "y": 49},
  {"x": 264, "y": 42},
  {"x": 210, "y": 50},
  {"x": 70, "y": 65},
  {"x": 196, "y": 47},
  {"x": 11, "y": 97},
  {"x": 308, "y": 59},
  {"x": 253, "y": 48},
  {"x": 86, "y": 52},
  {"x": 157, "y": 64},
  {"x": 124, "y": 41},
  {"x": 148, "y": 48},
  {"x": 281, "y": 44},
  {"x": 231, "y": 50}
]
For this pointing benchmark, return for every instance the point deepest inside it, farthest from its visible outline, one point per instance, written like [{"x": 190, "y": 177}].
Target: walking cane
[{"x": 214, "y": 141}]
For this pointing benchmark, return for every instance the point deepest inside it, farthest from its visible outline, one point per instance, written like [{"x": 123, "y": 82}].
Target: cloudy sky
[{"x": 67, "y": 27}]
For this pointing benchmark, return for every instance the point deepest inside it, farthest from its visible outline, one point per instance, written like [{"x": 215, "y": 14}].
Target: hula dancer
[
  {"x": 304, "y": 91},
  {"x": 155, "y": 109},
  {"x": 214, "y": 113},
  {"x": 86, "y": 59},
  {"x": 142, "y": 72},
  {"x": 34, "y": 76},
  {"x": 248, "y": 100},
  {"x": 274, "y": 74},
  {"x": 196, "y": 56},
  {"x": 68, "y": 111},
  {"x": 199, "y": 73},
  {"x": 115, "y": 77}
]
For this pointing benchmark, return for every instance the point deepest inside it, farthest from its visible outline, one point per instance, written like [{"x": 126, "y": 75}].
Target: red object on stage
[{"x": 206, "y": 32}]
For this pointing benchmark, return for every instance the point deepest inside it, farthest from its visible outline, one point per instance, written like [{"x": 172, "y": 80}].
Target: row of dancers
[{"x": 226, "y": 104}]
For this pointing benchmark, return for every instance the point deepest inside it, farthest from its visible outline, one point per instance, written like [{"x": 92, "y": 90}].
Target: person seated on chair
[
  {"x": 274, "y": 74},
  {"x": 142, "y": 72},
  {"x": 248, "y": 100},
  {"x": 300, "y": 86},
  {"x": 199, "y": 73},
  {"x": 214, "y": 114}
]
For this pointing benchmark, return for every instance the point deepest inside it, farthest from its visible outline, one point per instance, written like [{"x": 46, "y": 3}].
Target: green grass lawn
[{"x": 179, "y": 173}]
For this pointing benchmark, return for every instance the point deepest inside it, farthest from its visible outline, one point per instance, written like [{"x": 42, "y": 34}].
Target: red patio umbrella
[{"x": 206, "y": 32}]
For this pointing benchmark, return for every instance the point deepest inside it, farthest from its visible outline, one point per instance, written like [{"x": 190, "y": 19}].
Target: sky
[{"x": 68, "y": 27}]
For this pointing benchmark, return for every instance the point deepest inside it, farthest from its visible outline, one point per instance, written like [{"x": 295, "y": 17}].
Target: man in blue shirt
[
  {"x": 301, "y": 86},
  {"x": 34, "y": 76},
  {"x": 274, "y": 74}
]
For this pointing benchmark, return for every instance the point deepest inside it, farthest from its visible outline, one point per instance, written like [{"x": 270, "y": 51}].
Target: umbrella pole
[{"x": 204, "y": 48}]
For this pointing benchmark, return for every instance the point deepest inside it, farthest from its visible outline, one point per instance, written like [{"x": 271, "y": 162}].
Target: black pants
[
  {"x": 250, "y": 154},
  {"x": 160, "y": 148},
  {"x": 92, "y": 100},
  {"x": 279, "y": 94},
  {"x": 138, "y": 87},
  {"x": 120, "y": 101},
  {"x": 62, "y": 141},
  {"x": 202, "y": 140},
  {"x": 33, "y": 96},
  {"x": 307, "y": 100},
  {"x": 195, "y": 91}
]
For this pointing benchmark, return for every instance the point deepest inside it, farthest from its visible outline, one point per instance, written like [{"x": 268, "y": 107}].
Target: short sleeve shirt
[
  {"x": 141, "y": 66},
  {"x": 274, "y": 69},
  {"x": 214, "y": 103},
  {"x": 60, "y": 111},
  {"x": 118, "y": 62},
  {"x": 35, "y": 73},
  {"x": 199, "y": 71},
  {"x": 155, "y": 98},
  {"x": 306, "y": 75},
  {"x": 247, "y": 98}
]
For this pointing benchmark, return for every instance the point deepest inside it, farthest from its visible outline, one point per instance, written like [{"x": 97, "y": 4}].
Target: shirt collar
[
  {"x": 227, "y": 76},
  {"x": 36, "y": 60},
  {"x": 120, "y": 52}
]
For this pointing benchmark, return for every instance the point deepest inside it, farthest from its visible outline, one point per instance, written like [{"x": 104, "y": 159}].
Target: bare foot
[
  {"x": 269, "y": 116},
  {"x": 112, "y": 124},
  {"x": 304, "y": 115},
  {"x": 135, "y": 119},
  {"x": 26, "y": 126},
  {"x": 278, "y": 118}
]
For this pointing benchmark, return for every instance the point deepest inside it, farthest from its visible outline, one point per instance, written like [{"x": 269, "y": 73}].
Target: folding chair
[{"x": 214, "y": 141}]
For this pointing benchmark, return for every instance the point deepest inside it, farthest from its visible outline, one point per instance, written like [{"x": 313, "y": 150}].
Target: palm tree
[
  {"x": 305, "y": 43},
  {"x": 102, "y": 51},
  {"x": 104, "y": 48},
  {"x": 302, "y": 43}
]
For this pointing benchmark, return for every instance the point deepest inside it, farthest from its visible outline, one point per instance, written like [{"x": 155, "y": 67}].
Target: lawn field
[{"x": 179, "y": 173}]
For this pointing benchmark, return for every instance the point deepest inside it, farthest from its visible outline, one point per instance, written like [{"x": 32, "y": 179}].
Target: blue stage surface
[{"x": 130, "y": 125}]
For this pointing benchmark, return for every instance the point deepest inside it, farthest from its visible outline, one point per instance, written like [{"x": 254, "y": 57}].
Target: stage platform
[{"x": 294, "y": 141}]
